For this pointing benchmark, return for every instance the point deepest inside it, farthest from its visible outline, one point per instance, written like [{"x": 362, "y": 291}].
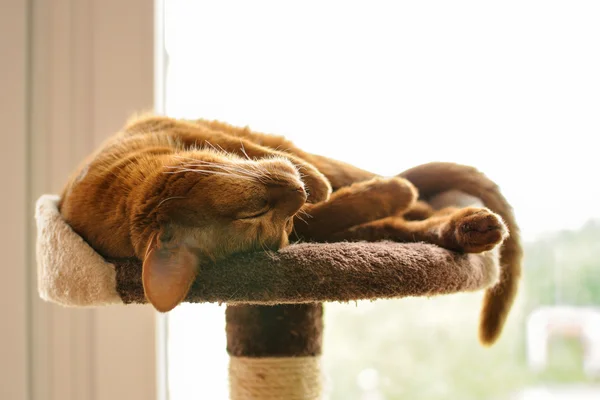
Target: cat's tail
[{"x": 434, "y": 178}]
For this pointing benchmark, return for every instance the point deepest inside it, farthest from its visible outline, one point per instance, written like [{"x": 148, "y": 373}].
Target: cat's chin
[{"x": 274, "y": 244}]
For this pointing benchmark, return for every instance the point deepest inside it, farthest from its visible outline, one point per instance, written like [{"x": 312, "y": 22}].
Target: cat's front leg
[
  {"x": 354, "y": 205},
  {"x": 317, "y": 185}
]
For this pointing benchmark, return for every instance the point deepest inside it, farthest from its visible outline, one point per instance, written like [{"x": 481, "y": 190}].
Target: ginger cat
[{"x": 177, "y": 194}]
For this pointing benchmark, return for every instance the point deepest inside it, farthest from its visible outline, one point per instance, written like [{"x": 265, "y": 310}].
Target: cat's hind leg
[
  {"x": 468, "y": 230},
  {"x": 419, "y": 211}
]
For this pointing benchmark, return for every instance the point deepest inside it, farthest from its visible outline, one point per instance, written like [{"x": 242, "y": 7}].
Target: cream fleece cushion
[{"x": 70, "y": 272}]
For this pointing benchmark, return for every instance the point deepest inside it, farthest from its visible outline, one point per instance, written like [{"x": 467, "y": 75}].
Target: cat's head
[{"x": 209, "y": 206}]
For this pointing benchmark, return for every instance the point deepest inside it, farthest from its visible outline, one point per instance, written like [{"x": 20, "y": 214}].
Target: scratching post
[
  {"x": 275, "y": 351},
  {"x": 274, "y": 299}
]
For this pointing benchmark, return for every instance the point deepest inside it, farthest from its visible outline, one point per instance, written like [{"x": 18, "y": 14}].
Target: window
[{"x": 510, "y": 88}]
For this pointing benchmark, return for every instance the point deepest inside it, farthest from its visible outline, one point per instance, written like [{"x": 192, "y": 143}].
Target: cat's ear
[{"x": 168, "y": 274}]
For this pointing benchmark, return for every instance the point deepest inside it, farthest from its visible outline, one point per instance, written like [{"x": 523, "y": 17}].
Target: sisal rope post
[
  {"x": 269, "y": 378},
  {"x": 275, "y": 351}
]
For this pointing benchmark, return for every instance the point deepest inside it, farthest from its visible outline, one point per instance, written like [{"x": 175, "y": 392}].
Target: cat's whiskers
[
  {"x": 301, "y": 219},
  {"x": 254, "y": 170},
  {"x": 258, "y": 168},
  {"x": 221, "y": 167},
  {"x": 229, "y": 167},
  {"x": 201, "y": 163},
  {"x": 218, "y": 147},
  {"x": 244, "y": 150},
  {"x": 208, "y": 172},
  {"x": 295, "y": 233},
  {"x": 190, "y": 161},
  {"x": 266, "y": 250},
  {"x": 149, "y": 246},
  {"x": 203, "y": 171},
  {"x": 306, "y": 214},
  {"x": 169, "y": 198},
  {"x": 212, "y": 146},
  {"x": 180, "y": 157},
  {"x": 233, "y": 171},
  {"x": 248, "y": 169}
]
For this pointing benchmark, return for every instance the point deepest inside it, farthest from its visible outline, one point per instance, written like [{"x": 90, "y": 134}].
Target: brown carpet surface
[{"x": 315, "y": 272}]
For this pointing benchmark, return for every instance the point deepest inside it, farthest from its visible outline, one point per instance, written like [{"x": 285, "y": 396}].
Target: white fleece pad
[{"x": 70, "y": 272}]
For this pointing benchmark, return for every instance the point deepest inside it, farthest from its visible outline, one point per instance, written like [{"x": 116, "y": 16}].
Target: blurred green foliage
[{"x": 428, "y": 348}]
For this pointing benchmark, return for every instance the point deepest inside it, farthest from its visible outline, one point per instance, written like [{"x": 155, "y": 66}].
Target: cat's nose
[{"x": 286, "y": 199}]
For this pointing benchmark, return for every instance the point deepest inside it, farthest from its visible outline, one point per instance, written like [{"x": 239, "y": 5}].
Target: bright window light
[{"x": 512, "y": 88}]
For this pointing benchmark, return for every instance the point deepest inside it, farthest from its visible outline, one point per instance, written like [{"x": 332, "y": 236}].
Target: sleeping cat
[{"x": 177, "y": 194}]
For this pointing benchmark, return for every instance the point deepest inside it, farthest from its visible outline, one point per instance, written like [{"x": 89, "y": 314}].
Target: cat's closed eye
[{"x": 263, "y": 208}]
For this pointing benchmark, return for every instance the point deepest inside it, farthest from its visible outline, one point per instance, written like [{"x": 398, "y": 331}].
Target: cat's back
[
  {"x": 94, "y": 200},
  {"x": 117, "y": 154}
]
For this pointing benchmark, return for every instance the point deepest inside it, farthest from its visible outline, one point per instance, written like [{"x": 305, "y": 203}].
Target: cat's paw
[
  {"x": 478, "y": 229},
  {"x": 390, "y": 196},
  {"x": 317, "y": 185}
]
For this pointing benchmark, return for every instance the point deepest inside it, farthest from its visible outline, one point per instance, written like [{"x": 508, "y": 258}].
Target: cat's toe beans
[
  {"x": 480, "y": 223},
  {"x": 480, "y": 231},
  {"x": 476, "y": 242}
]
